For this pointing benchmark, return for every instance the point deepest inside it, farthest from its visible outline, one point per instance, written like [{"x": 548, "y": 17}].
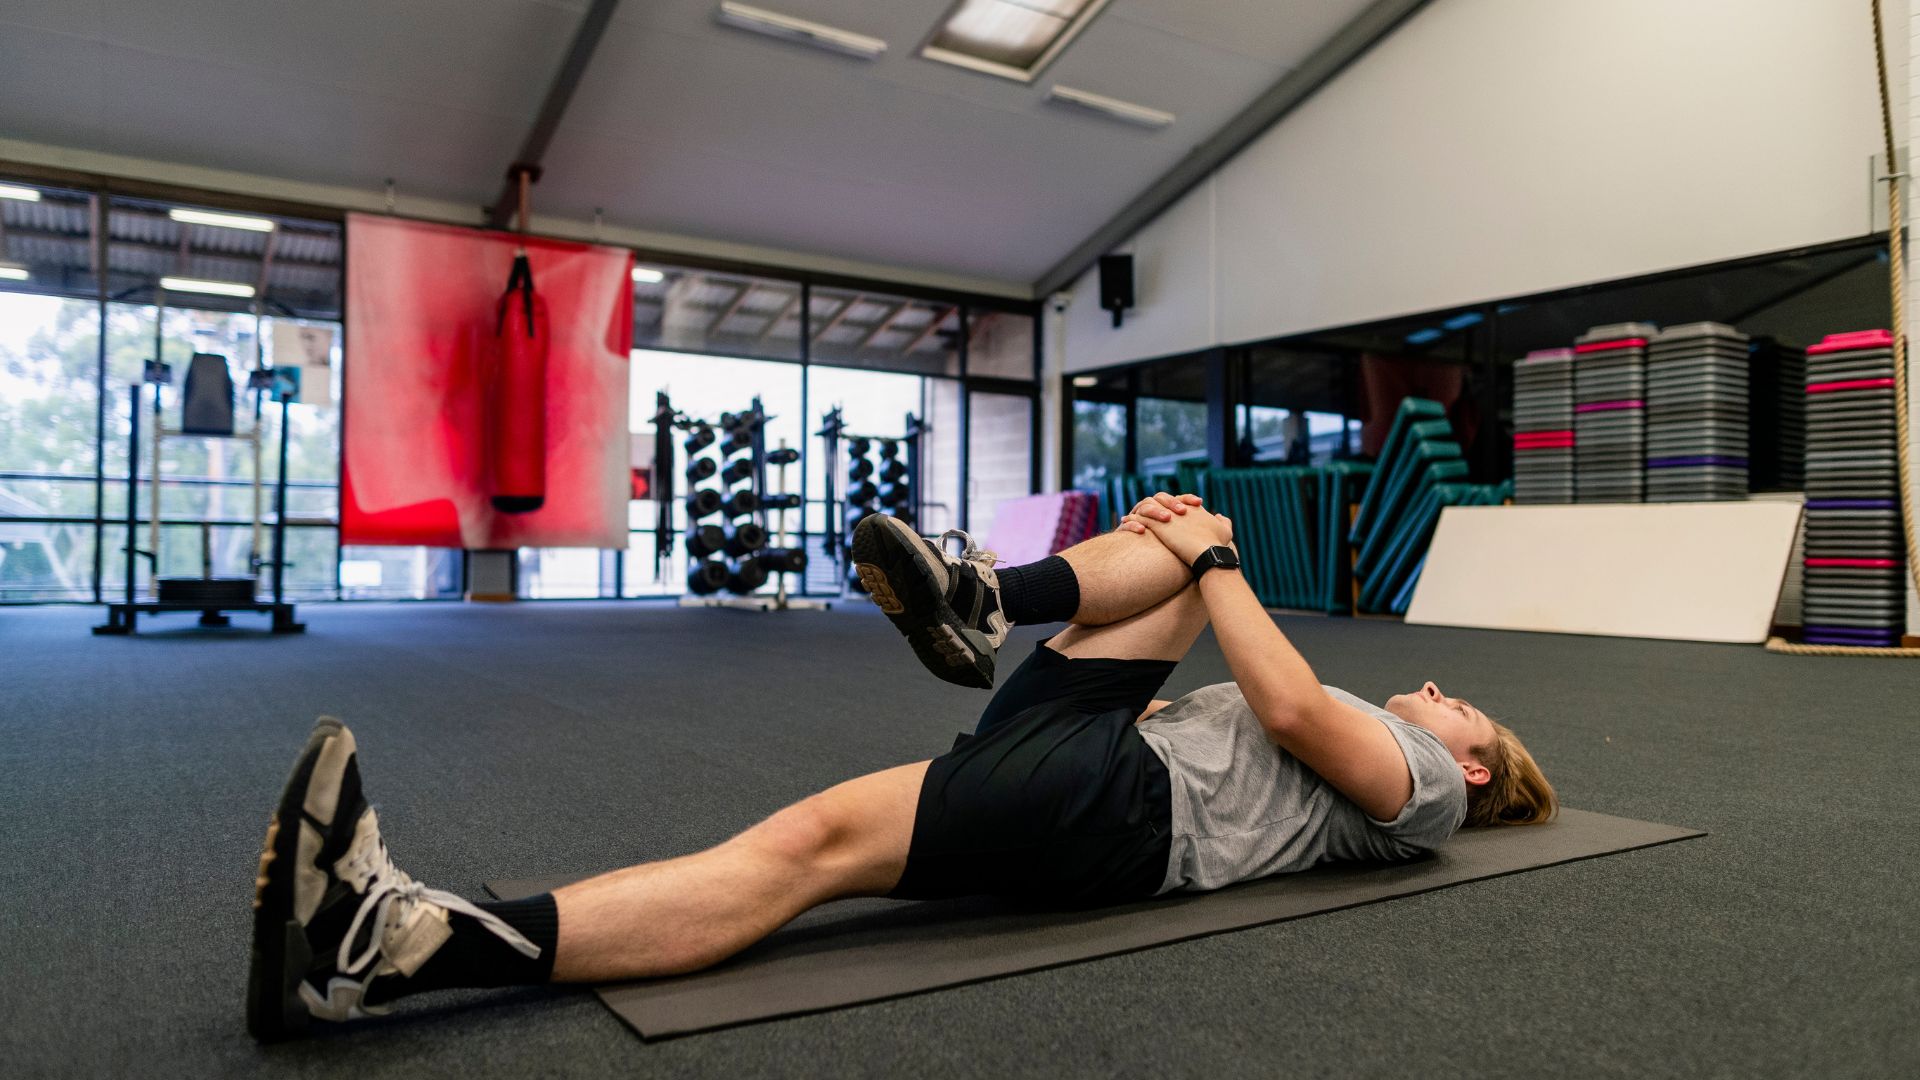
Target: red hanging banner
[{"x": 481, "y": 419}]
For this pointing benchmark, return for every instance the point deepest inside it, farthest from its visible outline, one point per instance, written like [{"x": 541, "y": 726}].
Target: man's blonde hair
[{"x": 1518, "y": 792}]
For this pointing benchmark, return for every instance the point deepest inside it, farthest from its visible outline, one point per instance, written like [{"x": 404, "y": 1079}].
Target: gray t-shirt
[{"x": 1244, "y": 808}]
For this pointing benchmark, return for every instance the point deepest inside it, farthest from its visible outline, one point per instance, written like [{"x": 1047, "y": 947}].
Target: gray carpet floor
[{"x": 136, "y": 777}]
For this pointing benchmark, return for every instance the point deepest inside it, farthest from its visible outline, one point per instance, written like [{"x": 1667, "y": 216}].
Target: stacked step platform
[
  {"x": 1318, "y": 537},
  {"x": 1543, "y": 427},
  {"x": 1610, "y": 412},
  {"x": 1292, "y": 529},
  {"x": 1420, "y": 472},
  {"x": 1855, "y": 578},
  {"x": 1696, "y": 409}
]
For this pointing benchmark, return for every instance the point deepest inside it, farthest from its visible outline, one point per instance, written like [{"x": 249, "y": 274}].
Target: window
[
  {"x": 701, "y": 387},
  {"x": 1013, "y": 39},
  {"x": 703, "y": 311},
  {"x": 1170, "y": 432},
  {"x": 999, "y": 344},
  {"x": 877, "y": 330},
  {"x": 181, "y": 279},
  {"x": 49, "y": 363},
  {"x": 1000, "y": 457},
  {"x": 1099, "y": 443},
  {"x": 399, "y": 573}
]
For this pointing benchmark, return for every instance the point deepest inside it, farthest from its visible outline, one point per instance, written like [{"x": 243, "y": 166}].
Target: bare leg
[
  {"x": 680, "y": 915},
  {"x": 1164, "y": 631},
  {"x": 1122, "y": 574}
]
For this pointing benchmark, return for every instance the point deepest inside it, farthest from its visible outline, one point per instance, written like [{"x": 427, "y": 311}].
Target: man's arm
[
  {"x": 1348, "y": 748},
  {"x": 1153, "y": 706}
]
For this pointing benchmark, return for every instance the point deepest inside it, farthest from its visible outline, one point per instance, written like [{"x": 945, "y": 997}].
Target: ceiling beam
[
  {"x": 1296, "y": 86},
  {"x": 881, "y": 326},
  {"x": 780, "y": 316},
  {"x": 728, "y": 311},
  {"x": 559, "y": 93},
  {"x": 266, "y": 265},
  {"x": 931, "y": 328},
  {"x": 838, "y": 315}
]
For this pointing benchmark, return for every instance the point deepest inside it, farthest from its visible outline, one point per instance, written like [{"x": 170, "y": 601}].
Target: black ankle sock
[
  {"x": 476, "y": 956},
  {"x": 1042, "y": 592}
]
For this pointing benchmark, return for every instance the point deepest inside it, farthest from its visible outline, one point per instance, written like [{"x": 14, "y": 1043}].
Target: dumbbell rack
[
  {"x": 781, "y": 600},
  {"x": 847, "y": 501},
  {"x": 741, "y": 500}
]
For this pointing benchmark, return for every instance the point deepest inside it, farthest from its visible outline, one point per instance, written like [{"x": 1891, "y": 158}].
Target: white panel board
[{"x": 1684, "y": 571}]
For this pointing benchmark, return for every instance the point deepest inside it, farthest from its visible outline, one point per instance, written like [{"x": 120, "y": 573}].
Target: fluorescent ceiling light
[
  {"x": 14, "y": 191},
  {"x": 1112, "y": 108},
  {"x": 647, "y": 275},
  {"x": 13, "y": 272},
  {"x": 216, "y": 288},
  {"x": 1013, "y": 39},
  {"x": 224, "y": 221},
  {"x": 1086, "y": 380},
  {"x": 788, "y": 28}
]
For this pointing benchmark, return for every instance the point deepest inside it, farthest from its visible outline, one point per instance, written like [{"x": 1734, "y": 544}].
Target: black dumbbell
[
  {"x": 780, "y": 502},
  {"x": 737, "y": 470},
  {"x": 704, "y": 540},
  {"x": 698, "y": 439},
  {"x": 706, "y": 577},
  {"x": 699, "y": 469},
  {"x": 784, "y": 560},
  {"x": 743, "y": 501},
  {"x": 858, "y": 446},
  {"x": 862, "y": 492},
  {"x": 786, "y": 455},
  {"x": 748, "y": 574},
  {"x": 856, "y": 515},
  {"x": 728, "y": 421},
  {"x": 737, "y": 440},
  {"x": 896, "y": 495},
  {"x": 889, "y": 449},
  {"x": 746, "y": 539},
  {"x": 703, "y": 502},
  {"x": 893, "y": 469}
]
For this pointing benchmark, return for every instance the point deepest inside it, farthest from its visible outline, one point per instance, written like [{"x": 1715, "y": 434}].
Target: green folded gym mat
[{"x": 859, "y": 951}]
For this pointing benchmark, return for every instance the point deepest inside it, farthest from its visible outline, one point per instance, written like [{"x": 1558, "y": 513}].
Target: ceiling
[{"x": 680, "y": 125}]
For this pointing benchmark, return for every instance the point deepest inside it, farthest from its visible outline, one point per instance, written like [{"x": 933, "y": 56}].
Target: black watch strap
[{"x": 1219, "y": 556}]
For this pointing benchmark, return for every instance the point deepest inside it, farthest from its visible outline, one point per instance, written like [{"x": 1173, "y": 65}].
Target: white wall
[
  {"x": 1494, "y": 147},
  {"x": 1173, "y": 282}
]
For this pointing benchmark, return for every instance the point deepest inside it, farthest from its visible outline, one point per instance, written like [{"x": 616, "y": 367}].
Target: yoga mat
[{"x": 858, "y": 951}]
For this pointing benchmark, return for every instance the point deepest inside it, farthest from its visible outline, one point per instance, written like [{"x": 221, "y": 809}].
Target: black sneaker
[
  {"x": 331, "y": 913},
  {"x": 948, "y": 607}
]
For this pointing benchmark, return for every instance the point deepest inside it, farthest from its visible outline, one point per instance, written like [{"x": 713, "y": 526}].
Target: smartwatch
[{"x": 1219, "y": 556}]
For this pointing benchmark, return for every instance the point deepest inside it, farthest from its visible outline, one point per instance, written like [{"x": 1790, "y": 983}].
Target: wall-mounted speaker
[{"x": 1116, "y": 284}]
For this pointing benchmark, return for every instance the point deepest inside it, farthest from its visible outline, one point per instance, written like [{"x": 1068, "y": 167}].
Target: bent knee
[{"x": 804, "y": 834}]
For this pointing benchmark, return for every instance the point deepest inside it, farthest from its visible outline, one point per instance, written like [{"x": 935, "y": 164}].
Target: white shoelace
[
  {"x": 391, "y": 898},
  {"x": 970, "y": 551}
]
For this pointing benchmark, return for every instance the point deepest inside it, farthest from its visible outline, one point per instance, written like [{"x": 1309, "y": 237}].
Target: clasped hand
[{"x": 1181, "y": 523}]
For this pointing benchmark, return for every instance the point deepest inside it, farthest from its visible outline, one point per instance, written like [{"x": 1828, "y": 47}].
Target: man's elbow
[{"x": 1286, "y": 717}]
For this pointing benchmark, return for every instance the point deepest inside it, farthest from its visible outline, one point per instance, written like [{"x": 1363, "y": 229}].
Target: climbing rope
[{"x": 1897, "y": 264}]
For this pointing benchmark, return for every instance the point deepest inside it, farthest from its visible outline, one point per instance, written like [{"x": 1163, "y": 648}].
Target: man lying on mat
[{"x": 1077, "y": 788}]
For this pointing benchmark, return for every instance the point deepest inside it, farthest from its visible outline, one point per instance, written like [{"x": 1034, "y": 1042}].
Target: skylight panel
[{"x": 1013, "y": 39}]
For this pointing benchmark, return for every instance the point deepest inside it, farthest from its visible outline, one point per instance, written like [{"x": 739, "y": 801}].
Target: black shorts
[{"x": 1055, "y": 799}]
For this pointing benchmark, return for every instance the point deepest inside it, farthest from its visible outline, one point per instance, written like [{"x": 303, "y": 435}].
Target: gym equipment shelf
[{"x": 214, "y": 598}]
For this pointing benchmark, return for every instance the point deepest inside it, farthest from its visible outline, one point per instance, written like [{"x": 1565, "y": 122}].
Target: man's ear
[{"x": 1475, "y": 772}]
